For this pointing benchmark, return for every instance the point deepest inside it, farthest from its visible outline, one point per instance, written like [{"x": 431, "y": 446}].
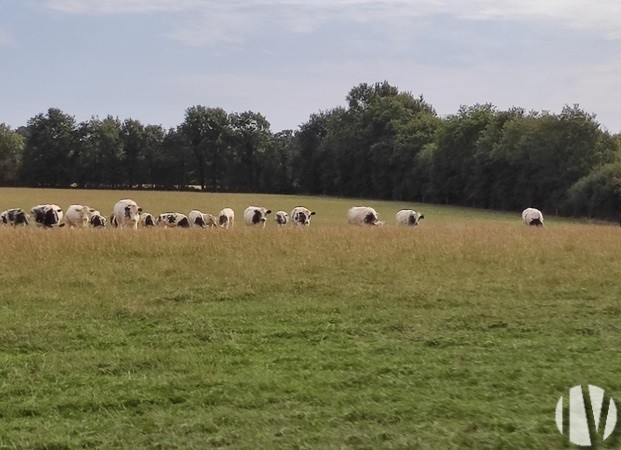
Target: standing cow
[
  {"x": 363, "y": 216},
  {"x": 532, "y": 216},
  {"x": 78, "y": 216},
  {"x": 409, "y": 217},
  {"x": 256, "y": 216},
  {"x": 14, "y": 217},
  {"x": 301, "y": 216},
  {"x": 226, "y": 218},
  {"x": 47, "y": 216},
  {"x": 126, "y": 213},
  {"x": 171, "y": 220},
  {"x": 281, "y": 218}
]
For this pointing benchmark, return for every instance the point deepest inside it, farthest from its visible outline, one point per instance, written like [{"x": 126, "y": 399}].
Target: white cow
[
  {"x": 126, "y": 213},
  {"x": 97, "y": 220},
  {"x": 78, "y": 216},
  {"x": 281, "y": 218},
  {"x": 14, "y": 217},
  {"x": 48, "y": 216},
  {"x": 532, "y": 216},
  {"x": 363, "y": 215},
  {"x": 173, "y": 220},
  {"x": 226, "y": 218},
  {"x": 256, "y": 216},
  {"x": 147, "y": 220},
  {"x": 202, "y": 220},
  {"x": 408, "y": 217},
  {"x": 301, "y": 216}
]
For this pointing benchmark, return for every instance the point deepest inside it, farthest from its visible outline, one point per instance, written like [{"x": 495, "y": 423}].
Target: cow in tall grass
[
  {"x": 408, "y": 217},
  {"x": 301, "y": 216},
  {"x": 256, "y": 216},
  {"x": 202, "y": 220},
  {"x": 147, "y": 220},
  {"x": 14, "y": 217},
  {"x": 173, "y": 220},
  {"x": 97, "y": 220},
  {"x": 363, "y": 216},
  {"x": 532, "y": 216},
  {"x": 126, "y": 213},
  {"x": 281, "y": 218},
  {"x": 226, "y": 218},
  {"x": 78, "y": 216},
  {"x": 48, "y": 216}
]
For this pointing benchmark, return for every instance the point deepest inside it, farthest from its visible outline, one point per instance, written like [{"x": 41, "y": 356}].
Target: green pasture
[{"x": 461, "y": 333}]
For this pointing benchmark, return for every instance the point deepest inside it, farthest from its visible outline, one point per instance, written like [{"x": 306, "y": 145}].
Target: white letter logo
[{"x": 579, "y": 431}]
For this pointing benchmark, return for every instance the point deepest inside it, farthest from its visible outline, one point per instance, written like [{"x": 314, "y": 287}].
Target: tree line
[{"x": 384, "y": 144}]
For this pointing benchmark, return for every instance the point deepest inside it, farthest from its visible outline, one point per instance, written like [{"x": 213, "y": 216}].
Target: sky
[{"x": 150, "y": 60}]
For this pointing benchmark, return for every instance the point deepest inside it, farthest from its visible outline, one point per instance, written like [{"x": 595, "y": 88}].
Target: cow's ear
[
  {"x": 268, "y": 211},
  {"x": 139, "y": 210},
  {"x": 91, "y": 210},
  {"x": 422, "y": 216},
  {"x": 313, "y": 213}
]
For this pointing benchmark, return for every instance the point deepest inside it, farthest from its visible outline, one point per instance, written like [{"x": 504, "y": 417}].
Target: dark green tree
[
  {"x": 51, "y": 141},
  {"x": 11, "y": 149}
]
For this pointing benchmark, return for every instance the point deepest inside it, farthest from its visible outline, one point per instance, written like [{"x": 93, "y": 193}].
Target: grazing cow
[
  {"x": 532, "y": 216},
  {"x": 173, "y": 220},
  {"x": 126, "y": 213},
  {"x": 226, "y": 218},
  {"x": 147, "y": 220},
  {"x": 97, "y": 220},
  {"x": 255, "y": 216},
  {"x": 202, "y": 220},
  {"x": 14, "y": 217},
  {"x": 78, "y": 216},
  {"x": 409, "y": 217},
  {"x": 301, "y": 216},
  {"x": 363, "y": 215},
  {"x": 281, "y": 218},
  {"x": 48, "y": 216}
]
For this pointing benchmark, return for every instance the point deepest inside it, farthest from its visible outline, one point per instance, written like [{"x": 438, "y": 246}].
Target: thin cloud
[
  {"x": 6, "y": 40},
  {"x": 304, "y": 16}
]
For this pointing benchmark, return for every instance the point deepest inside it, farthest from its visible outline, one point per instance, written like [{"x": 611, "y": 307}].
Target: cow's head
[
  {"x": 303, "y": 217},
  {"x": 259, "y": 215}
]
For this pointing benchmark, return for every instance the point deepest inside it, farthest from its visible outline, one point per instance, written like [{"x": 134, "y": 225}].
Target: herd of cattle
[{"x": 127, "y": 214}]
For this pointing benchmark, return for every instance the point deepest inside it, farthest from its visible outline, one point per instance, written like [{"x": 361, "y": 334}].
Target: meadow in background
[{"x": 460, "y": 333}]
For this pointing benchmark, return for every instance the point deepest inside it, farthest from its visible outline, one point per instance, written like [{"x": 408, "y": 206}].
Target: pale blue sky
[{"x": 151, "y": 59}]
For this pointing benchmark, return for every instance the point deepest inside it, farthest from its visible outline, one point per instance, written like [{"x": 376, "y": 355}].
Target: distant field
[{"x": 461, "y": 333}]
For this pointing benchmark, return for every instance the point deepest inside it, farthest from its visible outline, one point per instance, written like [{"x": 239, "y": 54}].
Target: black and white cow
[
  {"x": 97, "y": 220},
  {"x": 173, "y": 220},
  {"x": 363, "y": 216},
  {"x": 532, "y": 216},
  {"x": 201, "y": 220},
  {"x": 226, "y": 218},
  {"x": 256, "y": 216},
  {"x": 126, "y": 213},
  {"x": 147, "y": 220},
  {"x": 409, "y": 217},
  {"x": 14, "y": 217},
  {"x": 47, "y": 216},
  {"x": 301, "y": 216},
  {"x": 281, "y": 218}
]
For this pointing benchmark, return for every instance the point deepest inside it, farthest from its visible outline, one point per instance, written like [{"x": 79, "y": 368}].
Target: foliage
[
  {"x": 384, "y": 144},
  {"x": 11, "y": 149}
]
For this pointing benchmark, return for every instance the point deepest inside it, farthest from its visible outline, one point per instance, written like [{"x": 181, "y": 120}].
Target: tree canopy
[{"x": 385, "y": 144}]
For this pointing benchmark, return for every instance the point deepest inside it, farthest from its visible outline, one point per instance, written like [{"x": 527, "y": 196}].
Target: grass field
[{"x": 461, "y": 333}]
